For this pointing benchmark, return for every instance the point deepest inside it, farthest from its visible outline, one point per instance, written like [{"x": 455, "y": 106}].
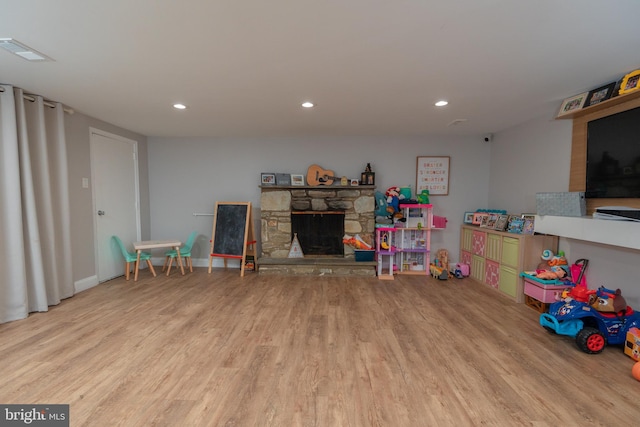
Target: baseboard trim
[{"x": 86, "y": 283}]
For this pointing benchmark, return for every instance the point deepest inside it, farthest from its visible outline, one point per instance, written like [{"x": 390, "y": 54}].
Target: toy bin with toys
[
  {"x": 540, "y": 293},
  {"x": 364, "y": 255}
]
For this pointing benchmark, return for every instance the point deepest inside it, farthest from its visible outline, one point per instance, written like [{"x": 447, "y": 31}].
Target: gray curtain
[{"x": 35, "y": 242}]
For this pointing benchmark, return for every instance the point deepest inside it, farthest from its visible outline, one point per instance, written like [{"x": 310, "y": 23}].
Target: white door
[{"x": 114, "y": 169}]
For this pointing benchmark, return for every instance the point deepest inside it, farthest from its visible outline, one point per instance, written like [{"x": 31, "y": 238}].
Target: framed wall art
[
  {"x": 572, "y": 104},
  {"x": 432, "y": 173}
]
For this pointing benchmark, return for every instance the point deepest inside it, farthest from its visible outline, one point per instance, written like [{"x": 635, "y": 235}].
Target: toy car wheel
[{"x": 591, "y": 340}]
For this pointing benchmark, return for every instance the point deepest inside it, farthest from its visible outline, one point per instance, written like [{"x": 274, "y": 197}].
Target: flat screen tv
[{"x": 613, "y": 156}]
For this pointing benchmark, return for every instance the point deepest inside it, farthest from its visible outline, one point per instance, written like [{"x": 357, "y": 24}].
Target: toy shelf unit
[
  {"x": 413, "y": 239},
  {"x": 385, "y": 252},
  {"x": 496, "y": 258}
]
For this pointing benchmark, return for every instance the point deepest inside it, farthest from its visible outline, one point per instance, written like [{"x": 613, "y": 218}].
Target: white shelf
[{"x": 625, "y": 234}]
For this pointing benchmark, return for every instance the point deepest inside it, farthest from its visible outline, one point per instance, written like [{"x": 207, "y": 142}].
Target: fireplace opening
[{"x": 319, "y": 233}]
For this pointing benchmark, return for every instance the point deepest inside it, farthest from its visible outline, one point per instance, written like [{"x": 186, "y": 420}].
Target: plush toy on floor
[{"x": 443, "y": 258}]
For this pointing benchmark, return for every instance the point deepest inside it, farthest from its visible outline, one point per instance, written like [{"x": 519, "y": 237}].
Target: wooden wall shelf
[{"x": 609, "y": 103}]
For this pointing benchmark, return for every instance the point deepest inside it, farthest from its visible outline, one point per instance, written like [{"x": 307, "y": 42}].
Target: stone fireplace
[{"x": 278, "y": 204}]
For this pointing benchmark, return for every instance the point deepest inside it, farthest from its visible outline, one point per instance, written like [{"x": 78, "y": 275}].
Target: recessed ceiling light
[
  {"x": 441, "y": 103},
  {"x": 22, "y": 50},
  {"x": 307, "y": 104},
  {"x": 179, "y": 106}
]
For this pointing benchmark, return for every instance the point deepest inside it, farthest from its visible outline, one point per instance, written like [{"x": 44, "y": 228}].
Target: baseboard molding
[{"x": 86, "y": 283}]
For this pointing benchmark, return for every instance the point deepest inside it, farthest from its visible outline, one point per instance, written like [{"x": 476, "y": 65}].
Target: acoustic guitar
[{"x": 318, "y": 176}]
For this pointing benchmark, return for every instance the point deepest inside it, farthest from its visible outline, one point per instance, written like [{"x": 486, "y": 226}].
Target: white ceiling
[{"x": 372, "y": 67}]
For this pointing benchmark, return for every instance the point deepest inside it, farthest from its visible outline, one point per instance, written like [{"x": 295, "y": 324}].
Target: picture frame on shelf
[
  {"x": 283, "y": 179},
  {"x": 484, "y": 221},
  {"x": 516, "y": 225},
  {"x": 267, "y": 178},
  {"x": 600, "y": 94},
  {"x": 297, "y": 180},
  {"x": 572, "y": 104},
  {"x": 501, "y": 223},
  {"x": 630, "y": 82},
  {"x": 491, "y": 222},
  {"x": 477, "y": 217},
  {"x": 468, "y": 218},
  {"x": 354, "y": 182},
  {"x": 528, "y": 227}
]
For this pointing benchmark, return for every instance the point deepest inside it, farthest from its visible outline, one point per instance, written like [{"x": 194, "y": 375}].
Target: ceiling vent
[
  {"x": 23, "y": 51},
  {"x": 457, "y": 122}
]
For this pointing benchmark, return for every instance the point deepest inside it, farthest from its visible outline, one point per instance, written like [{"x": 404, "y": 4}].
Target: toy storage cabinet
[{"x": 496, "y": 258}]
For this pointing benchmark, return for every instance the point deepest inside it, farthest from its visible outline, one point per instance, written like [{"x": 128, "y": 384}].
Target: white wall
[
  {"x": 528, "y": 159},
  {"x": 190, "y": 175},
  {"x": 535, "y": 157}
]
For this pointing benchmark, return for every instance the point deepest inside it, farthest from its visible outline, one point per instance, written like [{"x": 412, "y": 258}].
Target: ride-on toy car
[{"x": 592, "y": 328}]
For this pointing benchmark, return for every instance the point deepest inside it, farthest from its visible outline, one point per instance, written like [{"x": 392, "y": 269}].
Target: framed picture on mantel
[{"x": 267, "y": 178}]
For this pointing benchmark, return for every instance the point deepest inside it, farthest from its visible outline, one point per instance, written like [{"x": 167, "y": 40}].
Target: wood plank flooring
[{"x": 220, "y": 350}]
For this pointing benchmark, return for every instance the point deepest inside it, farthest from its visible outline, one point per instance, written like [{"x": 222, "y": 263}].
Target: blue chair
[
  {"x": 131, "y": 257},
  {"x": 185, "y": 254}
]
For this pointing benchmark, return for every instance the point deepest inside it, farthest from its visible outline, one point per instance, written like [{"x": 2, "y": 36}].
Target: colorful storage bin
[
  {"x": 543, "y": 292},
  {"x": 364, "y": 255}
]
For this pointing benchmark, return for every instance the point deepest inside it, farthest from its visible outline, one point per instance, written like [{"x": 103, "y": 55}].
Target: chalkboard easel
[{"x": 232, "y": 235}]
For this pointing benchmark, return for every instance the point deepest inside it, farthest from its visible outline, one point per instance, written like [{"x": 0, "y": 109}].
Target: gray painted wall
[
  {"x": 535, "y": 157},
  {"x": 181, "y": 176},
  {"x": 81, "y": 199},
  {"x": 188, "y": 176}
]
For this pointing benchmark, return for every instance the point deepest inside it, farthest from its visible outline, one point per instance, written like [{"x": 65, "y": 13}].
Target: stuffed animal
[
  {"x": 423, "y": 197},
  {"x": 393, "y": 201},
  {"x": 443, "y": 258},
  {"x": 608, "y": 301}
]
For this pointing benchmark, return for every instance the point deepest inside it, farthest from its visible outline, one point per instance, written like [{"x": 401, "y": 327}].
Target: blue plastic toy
[{"x": 592, "y": 329}]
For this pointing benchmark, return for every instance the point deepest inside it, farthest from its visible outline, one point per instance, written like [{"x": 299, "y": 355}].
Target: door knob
[{"x": 100, "y": 213}]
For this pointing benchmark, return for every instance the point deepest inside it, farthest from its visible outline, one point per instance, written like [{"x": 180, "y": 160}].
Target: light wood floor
[{"x": 220, "y": 350}]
